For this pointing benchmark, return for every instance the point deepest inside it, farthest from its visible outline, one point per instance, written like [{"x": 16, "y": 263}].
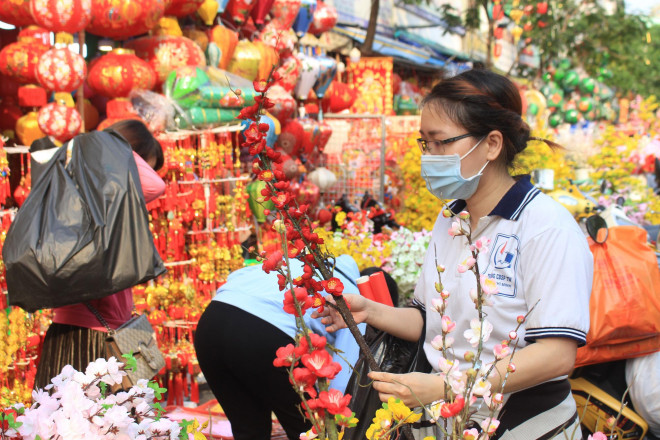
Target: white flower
[
  {"x": 437, "y": 342},
  {"x": 481, "y": 387},
  {"x": 476, "y": 331}
]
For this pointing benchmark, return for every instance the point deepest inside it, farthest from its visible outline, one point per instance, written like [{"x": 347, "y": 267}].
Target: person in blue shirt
[{"x": 236, "y": 340}]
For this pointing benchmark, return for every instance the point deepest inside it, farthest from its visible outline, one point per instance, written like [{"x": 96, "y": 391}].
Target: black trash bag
[
  {"x": 393, "y": 355},
  {"x": 83, "y": 232}
]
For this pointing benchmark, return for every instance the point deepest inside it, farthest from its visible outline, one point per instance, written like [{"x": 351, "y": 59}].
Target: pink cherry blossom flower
[
  {"x": 478, "y": 331},
  {"x": 466, "y": 265},
  {"x": 490, "y": 425},
  {"x": 501, "y": 351},
  {"x": 597, "y": 436},
  {"x": 455, "y": 229},
  {"x": 438, "y": 304},
  {"x": 447, "y": 324},
  {"x": 488, "y": 285},
  {"x": 482, "y": 244},
  {"x": 481, "y": 387},
  {"x": 471, "y": 434},
  {"x": 449, "y": 341},
  {"x": 445, "y": 365},
  {"x": 436, "y": 342}
]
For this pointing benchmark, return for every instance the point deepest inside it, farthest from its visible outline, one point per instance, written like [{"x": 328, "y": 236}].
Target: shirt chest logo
[{"x": 502, "y": 264}]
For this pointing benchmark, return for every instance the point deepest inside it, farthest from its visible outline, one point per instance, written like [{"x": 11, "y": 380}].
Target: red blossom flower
[
  {"x": 320, "y": 363},
  {"x": 281, "y": 199},
  {"x": 263, "y": 127},
  {"x": 266, "y": 175},
  {"x": 267, "y": 103},
  {"x": 304, "y": 380},
  {"x": 248, "y": 112},
  {"x": 285, "y": 356},
  {"x": 252, "y": 134},
  {"x": 333, "y": 286},
  {"x": 315, "y": 405},
  {"x": 257, "y": 147},
  {"x": 273, "y": 262},
  {"x": 260, "y": 86},
  {"x": 318, "y": 341},
  {"x": 335, "y": 402},
  {"x": 281, "y": 281},
  {"x": 303, "y": 299},
  {"x": 451, "y": 409},
  {"x": 279, "y": 175}
]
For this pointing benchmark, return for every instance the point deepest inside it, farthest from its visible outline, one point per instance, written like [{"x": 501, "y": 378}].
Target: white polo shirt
[{"x": 537, "y": 253}]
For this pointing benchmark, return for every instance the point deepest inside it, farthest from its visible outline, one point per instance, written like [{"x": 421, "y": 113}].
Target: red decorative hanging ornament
[
  {"x": 542, "y": 8},
  {"x": 59, "y": 121},
  {"x": 121, "y": 19},
  {"x": 284, "y": 103},
  {"x": 282, "y": 39},
  {"x": 260, "y": 10},
  {"x": 19, "y": 60},
  {"x": 498, "y": 12},
  {"x": 181, "y": 8},
  {"x": 284, "y": 13},
  {"x": 528, "y": 26},
  {"x": 497, "y": 50},
  {"x": 239, "y": 10},
  {"x": 61, "y": 70},
  {"x": 34, "y": 32},
  {"x": 269, "y": 59},
  {"x": 166, "y": 53},
  {"x": 325, "y": 18},
  {"x": 114, "y": 75},
  {"x": 338, "y": 97},
  {"x": 289, "y": 72},
  {"x": 498, "y": 32},
  {"x": 16, "y": 12},
  {"x": 62, "y": 15}
]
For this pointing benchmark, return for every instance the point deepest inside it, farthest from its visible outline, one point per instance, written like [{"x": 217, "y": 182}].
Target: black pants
[{"x": 236, "y": 350}]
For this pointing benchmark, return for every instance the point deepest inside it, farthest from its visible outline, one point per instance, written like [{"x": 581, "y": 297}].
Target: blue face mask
[{"x": 443, "y": 176}]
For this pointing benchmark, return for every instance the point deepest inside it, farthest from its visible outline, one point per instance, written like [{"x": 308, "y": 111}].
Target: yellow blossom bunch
[
  {"x": 538, "y": 155},
  {"x": 393, "y": 414}
]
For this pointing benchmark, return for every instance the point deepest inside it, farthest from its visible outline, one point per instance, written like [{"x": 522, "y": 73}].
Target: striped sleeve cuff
[
  {"x": 418, "y": 305},
  {"x": 532, "y": 334}
]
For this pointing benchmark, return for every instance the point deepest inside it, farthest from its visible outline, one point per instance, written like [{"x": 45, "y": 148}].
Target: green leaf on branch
[
  {"x": 158, "y": 391},
  {"x": 131, "y": 362}
]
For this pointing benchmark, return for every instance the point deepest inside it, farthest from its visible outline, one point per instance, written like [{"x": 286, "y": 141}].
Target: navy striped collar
[{"x": 512, "y": 204}]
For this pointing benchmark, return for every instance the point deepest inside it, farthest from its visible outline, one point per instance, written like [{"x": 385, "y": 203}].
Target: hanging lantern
[
  {"x": 284, "y": 104},
  {"x": 289, "y": 72},
  {"x": 167, "y": 26},
  {"x": 324, "y": 137},
  {"x": 284, "y": 40},
  {"x": 62, "y": 15},
  {"x": 166, "y": 53},
  {"x": 239, "y": 10},
  {"x": 497, "y": 12},
  {"x": 226, "y": 40},
  {"x": 59, "y": 121},
  {"x": 498, "y": 32},
  {"x": 542, "y": 7},
  {"x": 33, "y": 32},
  {"x": 61, "y": 70},
  {"x": 304, "y": 17},
  {"x": 245, "y": 61},
  {"x": 268, "y": 61},
  {"x": 121, "y": 19},
  {"x": 114, "y": 75},
  {"x": 497, "y": 50},
  {"x": 181, "y": 8},
  {"x": 19, "y": 60},
  {"x": 199, "y": 37},
  {"x": 338, "y": 97},
  {"x": 284, "y": 13},
  {"x": 16, "y": 12},
  {"x": 516, "y": 32},
  {"x": 516, "y": 15},
  {"x": 325, "y": 18},
  {"x": 327, "y": 72},
  {"x": 27, "y": 129},
  {"x": 260, "y": 10},
  {"x": 256, "y": 200},
  {"x": 308, "y": 75},
  {"x": 207, "y": 11},
  {"x": 291, "y": 137},
  {"x": 323, "y": 178}
]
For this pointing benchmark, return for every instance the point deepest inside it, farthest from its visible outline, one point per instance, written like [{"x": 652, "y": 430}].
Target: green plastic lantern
[
  {"x": 587, "y": 85},
  {"x": 565, "y": 64},
  {"x": 605, "y": 93},
  {"x": 254, "y": 193},
  {"x": 532, "y": 109},
  {"x": 571, "y": 80},
  {"x": 556, "y": 99},
  {"x": 585, "y": 104},
  {"x": 605, "y": 73},
  {"x": 572, "y": 116},
  {"x": 559, "y": 75},
  {"x": 555, "y": 120},
  {"x": 547, "y": 77},
  {"x": 182, "y": 85}
]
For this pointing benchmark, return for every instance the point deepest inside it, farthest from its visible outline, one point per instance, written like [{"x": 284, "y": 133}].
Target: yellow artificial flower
[{"x": 401, "y": 413}]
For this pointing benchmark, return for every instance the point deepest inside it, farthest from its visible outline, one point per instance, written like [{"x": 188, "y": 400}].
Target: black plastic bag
[
  {"x": 83, "y": 232},
  {"x": 393, "y": 355}
]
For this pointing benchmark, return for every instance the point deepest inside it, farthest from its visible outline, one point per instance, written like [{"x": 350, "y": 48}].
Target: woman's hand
[
  {"x": 411, "y": 388},
  {"x": 332, "y": 319}
]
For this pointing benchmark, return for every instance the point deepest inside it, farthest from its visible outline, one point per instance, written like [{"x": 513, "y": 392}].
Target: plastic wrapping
[{"x": 83, "y": 232}]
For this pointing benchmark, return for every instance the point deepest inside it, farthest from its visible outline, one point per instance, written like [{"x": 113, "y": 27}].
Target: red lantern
[
  {"x": 19, "y": 60},
  {"x": 260, "y": 10},
  {"x": 42, "y": 35},
  {"x": 326, "y": 133},
  {"x": 542, "y": 7},
  {"x": 61, "y": 70},
  {"x": 338, "y": 97},
  {"x": 181, "y": 8},
  {"x": 114, "y": 75},
  {"x": 62, "y": 15},
  {"x": 284, "y": 40},
  {"x": 122, "y": 19},
  {"x": 291, "y": 138},
  {"x": 325, "y": 18},
  {"x": 284, "y": 104},
  {"x": 497, "y": 50},
  {"x": 166, "y": 53},
  {"x": 59, "y": 121},
  {"x": 226, "y": 40},
  {"x": 284, "y": 12},
  {"x": 498, "y": 12},
  {"x": 498, "y": 32},
  {"x": 239, "y": 10},
  {"x": 528, "y": 27},
  {"x": 289, "y": 72},
  {"x": 16, "y": 12}
]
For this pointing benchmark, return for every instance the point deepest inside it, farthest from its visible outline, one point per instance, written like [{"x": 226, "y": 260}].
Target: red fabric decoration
[
  {"x": 181, "y": 8},
  {"x": 31, "y": 96}
]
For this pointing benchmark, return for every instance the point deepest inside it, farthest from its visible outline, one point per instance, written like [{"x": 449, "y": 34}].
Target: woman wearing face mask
[{"x": 471, "y": 130}]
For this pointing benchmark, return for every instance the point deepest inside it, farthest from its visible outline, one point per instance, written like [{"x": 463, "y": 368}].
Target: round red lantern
[
  {"x": 34, "y": 32},
  {"x": 325, "y": 18},
  {"x": 19, "y": 60},
  {"x": 62, "y": 15},
  {"x": 181, "y": 8},
  {"x": 16, "y": 12},
  {"x": 122, "y": 19},
  {"x": 114, "y": 75},
  {"x": 166, "y": 53},
  {"x": 59, "y": 121},
  {"x": 61, "y": 70}
]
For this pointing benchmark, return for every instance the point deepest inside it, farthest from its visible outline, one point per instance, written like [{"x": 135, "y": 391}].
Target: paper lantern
[
  {"x": 323, "y": 178},
  {"x": 327, "y": 72},
  {"x": 256, "y": 200},
  {"x": 284, "y": 104},
  {"x": 226, "y": 40},
  {"x": 207, "y": 11},
  {"x": 114, "y": 75},
  {"x": 166, "y": 53},
  {"x": 325, "y": 18},
  {"x": 19, "y": 60},
  {"x": 62, "y": 15},
  {"x": 260, "y": 10},
  {"x": 324, "y": 137},
  {"x": 291, "y": 137},
  {"x": 245, "y": 62},
  {"x": 289, "y": 72},
  {"x": 338, "y": 97},
  {"x": 239, "y": 10},
  {"x": 309, "y": 73},
  {"x": 61, "y": 70},
  {"x": 304, "y": 17},
  {"x": 121, "y": 19},
  {"x": 181, "y": 8},
  {"x": 311, "y": 135},
  {"x": 284, "y": 40},
  {"x": 32, "y": 96},
  {"x": 27, "y": 128},
  {"x": 268, "y": 60},
  {"x": 16, "y": 12},
  {"x": 167, "y": 26},
  {"x": 284, "y": 12},
  {"x": 33, "y": 32},
  {"x": 59, "y": 121}
]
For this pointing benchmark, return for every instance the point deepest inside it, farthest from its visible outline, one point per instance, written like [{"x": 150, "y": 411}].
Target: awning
[{"x": 415, "y": 39}]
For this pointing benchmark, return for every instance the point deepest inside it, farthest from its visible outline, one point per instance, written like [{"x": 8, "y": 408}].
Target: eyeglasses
[{"x": 426, "y": 146}]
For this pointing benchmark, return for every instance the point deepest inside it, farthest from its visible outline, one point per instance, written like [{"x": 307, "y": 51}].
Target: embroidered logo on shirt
[{"x": 502, "y": 264}]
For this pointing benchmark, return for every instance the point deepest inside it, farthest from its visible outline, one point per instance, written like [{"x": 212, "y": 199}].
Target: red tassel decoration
[{"x": 170, "y": 389}]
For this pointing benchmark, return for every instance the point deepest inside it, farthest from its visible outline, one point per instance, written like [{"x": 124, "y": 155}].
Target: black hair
[
  {"x": 482, "y": 101},
  {"x": 141, "y": 140},
  {"x": 392, "y": 286}
]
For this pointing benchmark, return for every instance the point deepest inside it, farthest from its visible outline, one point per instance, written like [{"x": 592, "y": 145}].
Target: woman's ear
[{"x": 495, "y": 142}]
